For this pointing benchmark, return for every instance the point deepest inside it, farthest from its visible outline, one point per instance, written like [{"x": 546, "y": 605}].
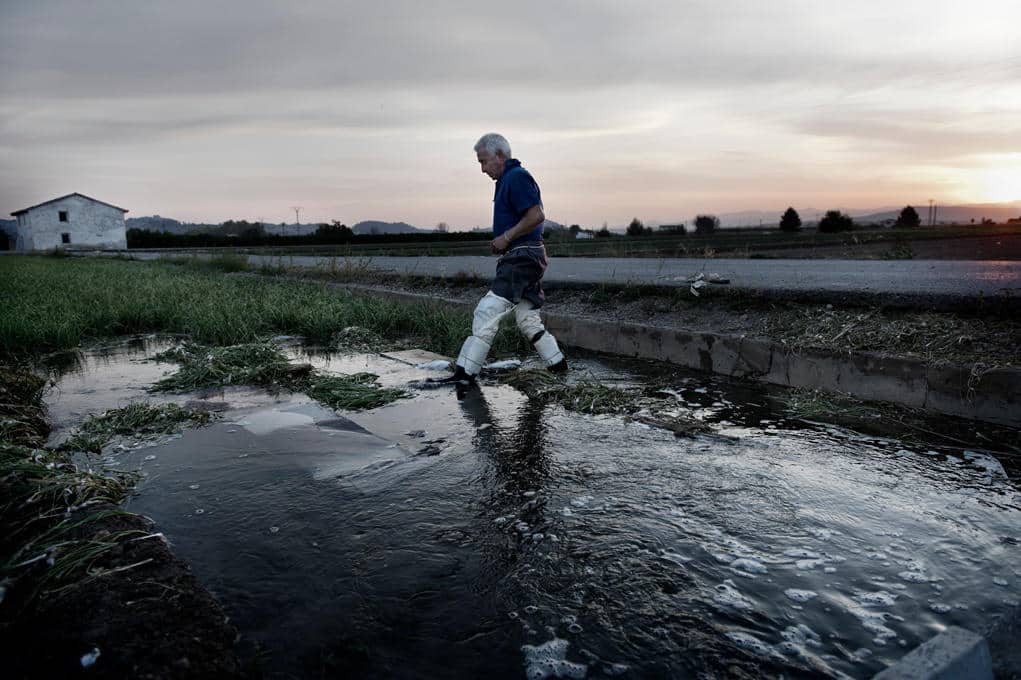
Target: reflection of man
[{"x": 517, "y": 237}]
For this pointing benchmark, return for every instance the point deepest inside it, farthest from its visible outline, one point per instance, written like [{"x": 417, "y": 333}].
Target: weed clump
[
  {"x": 136, "y": 419},
  {"x": 597, "y": 399},
  {"x": 582, "y": 397},
  {"x": 350, "y": 392},
  {"x": 357, "y": 339},
  {"x": 265, "y": 365},
  {"x": 245, "y": 364}
]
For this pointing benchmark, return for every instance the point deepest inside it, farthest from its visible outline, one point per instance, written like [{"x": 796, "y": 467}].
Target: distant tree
[
  {"x": 636, "y": 228},
  {"x": 333, "y": 233},
  {"x": 790, "y": 221},
  {"x": 604, "y": 232},
  {"x": 706, "y": 224},
  {"x": 574, "y": 229},
  {"x": 442, "y": 227},
  {"x": 834, "y": 221},
  {"x": 908, "y": 218}
]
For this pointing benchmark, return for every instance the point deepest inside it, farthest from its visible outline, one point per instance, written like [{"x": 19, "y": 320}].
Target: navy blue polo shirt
[{"x": 516, "y": 192}]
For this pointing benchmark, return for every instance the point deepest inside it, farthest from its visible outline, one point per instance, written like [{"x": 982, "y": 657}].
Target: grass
[
  {"x": 22, "y": 419},
  {"x": 264, "y": 364},
  {"x": 597, "y": 399},
  {"x": 47, "y": 502},
  {"x": 202, "y": 367},
  {"x": 55, "y": 305},
  {"x": 350, "y": 392},
  {"x": 137, "y": 419}
]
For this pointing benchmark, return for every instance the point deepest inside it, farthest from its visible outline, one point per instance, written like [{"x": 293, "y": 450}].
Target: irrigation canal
[{"x": 488, "y": 536}]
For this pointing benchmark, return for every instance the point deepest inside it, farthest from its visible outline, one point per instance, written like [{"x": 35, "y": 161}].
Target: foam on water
[
  {"x": 749, "y": 642},
  {"x": 800, "y": 595},
  {"x": 749, "y": 565},
  {"x": 549, "y": 660},
  {"x": 727, "y": 595}
]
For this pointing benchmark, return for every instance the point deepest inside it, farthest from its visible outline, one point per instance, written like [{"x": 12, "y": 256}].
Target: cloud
[{"x": 346, "y": 104}]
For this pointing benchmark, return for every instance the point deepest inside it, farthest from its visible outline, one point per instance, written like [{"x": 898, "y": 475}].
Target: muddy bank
[
  {"x": 147, "y": 617},
  {"x": 86, "y": 589}
]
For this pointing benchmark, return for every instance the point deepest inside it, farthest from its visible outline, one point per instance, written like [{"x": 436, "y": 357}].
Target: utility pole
[
  {"x": 297, "y": 220},
  {"x": 929, "y": 220}
]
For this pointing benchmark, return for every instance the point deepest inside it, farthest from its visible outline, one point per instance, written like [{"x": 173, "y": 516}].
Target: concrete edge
[
  {"x": 966, "y": 391},
  {"x": 954, "y": 653}
]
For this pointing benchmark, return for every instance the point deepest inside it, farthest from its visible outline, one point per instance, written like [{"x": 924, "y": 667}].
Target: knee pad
[
  {"x": 488, "y": 312},
  {"x": 473, "y": 355},
  {"x": 528, "y": 320}
]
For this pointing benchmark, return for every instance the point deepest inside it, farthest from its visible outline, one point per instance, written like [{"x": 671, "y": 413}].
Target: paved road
[{"x": 920, "y": 279}]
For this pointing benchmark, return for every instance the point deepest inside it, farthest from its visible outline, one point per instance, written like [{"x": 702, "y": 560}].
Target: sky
[{"x": 660, "y": 110}]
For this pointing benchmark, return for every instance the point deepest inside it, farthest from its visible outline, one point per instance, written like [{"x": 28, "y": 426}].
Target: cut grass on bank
[
  {"x": 54, "y": 304},
  {"x": 139, "y": 419},
  {"x": 264, "y": 364},
  {"x": 52, "y": 511}
]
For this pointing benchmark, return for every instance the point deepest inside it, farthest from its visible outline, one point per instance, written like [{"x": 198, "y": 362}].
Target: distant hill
[
  {"x": 157, "y": 223},
  {"x": 961, "y": 214},
  {"x": 377, "y": 227}
]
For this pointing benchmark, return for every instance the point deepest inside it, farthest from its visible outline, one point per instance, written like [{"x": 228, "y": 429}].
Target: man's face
[{"x": 492, "y": 164}]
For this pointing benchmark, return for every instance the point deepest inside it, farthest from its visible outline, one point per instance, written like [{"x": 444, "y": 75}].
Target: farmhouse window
[
  {"x": 63, "y": 215},
  {"x": 65, "y": 238}
]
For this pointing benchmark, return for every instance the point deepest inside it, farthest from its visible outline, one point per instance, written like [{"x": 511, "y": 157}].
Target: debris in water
[
  {"x": 274, "y": 530},
  {"x": 505, "y": 365},
  {"x": 89, "y": 659},
  {"x": 437, "y": 365}
]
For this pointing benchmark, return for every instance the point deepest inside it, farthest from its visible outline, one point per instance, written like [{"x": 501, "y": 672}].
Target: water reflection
[{"x": 537, "y": 538}]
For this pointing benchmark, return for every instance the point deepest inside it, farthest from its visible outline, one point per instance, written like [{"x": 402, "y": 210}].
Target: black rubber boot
[{"x": 460, "y": 377}]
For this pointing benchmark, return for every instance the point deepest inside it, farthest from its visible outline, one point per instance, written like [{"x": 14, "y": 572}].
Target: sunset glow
[{"x": 659, "y": 110}]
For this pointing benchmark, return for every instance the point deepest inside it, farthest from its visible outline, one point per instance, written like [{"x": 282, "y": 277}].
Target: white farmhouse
[{"x": 72, "y": 221}]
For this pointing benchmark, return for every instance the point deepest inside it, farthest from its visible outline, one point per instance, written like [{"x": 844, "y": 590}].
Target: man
[{"x": 517, "y": 237}]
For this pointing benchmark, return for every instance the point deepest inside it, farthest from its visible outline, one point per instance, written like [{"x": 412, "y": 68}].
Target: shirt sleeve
[{"x": 523, "y": 192}]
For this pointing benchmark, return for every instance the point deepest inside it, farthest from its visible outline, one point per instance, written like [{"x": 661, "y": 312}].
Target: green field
[{"x": 60, "y": 303}]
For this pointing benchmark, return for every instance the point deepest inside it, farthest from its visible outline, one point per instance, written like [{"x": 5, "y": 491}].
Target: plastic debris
[
  {"x": 505, "y": 365},
  {"x": 437, "y": 365},
  {"x": 89, "y": 659},
  {"x": 701, "y": 280}
]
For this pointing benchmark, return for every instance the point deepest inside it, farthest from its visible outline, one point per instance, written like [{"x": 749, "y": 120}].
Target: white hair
[{"x": 494, "y": 144}]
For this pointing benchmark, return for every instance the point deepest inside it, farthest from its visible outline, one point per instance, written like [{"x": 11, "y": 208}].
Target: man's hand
[{"x": 499, "y": 244}]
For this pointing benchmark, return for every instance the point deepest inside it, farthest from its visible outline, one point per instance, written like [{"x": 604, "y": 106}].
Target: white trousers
[{"x": 488, "y": 313}]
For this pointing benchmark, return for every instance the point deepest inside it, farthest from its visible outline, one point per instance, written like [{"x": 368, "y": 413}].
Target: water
[{"x": 445, "y": 537}]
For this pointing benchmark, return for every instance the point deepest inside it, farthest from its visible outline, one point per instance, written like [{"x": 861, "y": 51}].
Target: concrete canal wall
[{"x": 969, "y": 391}]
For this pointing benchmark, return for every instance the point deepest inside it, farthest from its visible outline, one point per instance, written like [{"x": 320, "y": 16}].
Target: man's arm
[{"x": 532, "y": 218}]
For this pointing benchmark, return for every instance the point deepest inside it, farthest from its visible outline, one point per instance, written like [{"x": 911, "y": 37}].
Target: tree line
[
  {"x": 833, "y": 221},
  {"x": 239, "y": 233}
]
